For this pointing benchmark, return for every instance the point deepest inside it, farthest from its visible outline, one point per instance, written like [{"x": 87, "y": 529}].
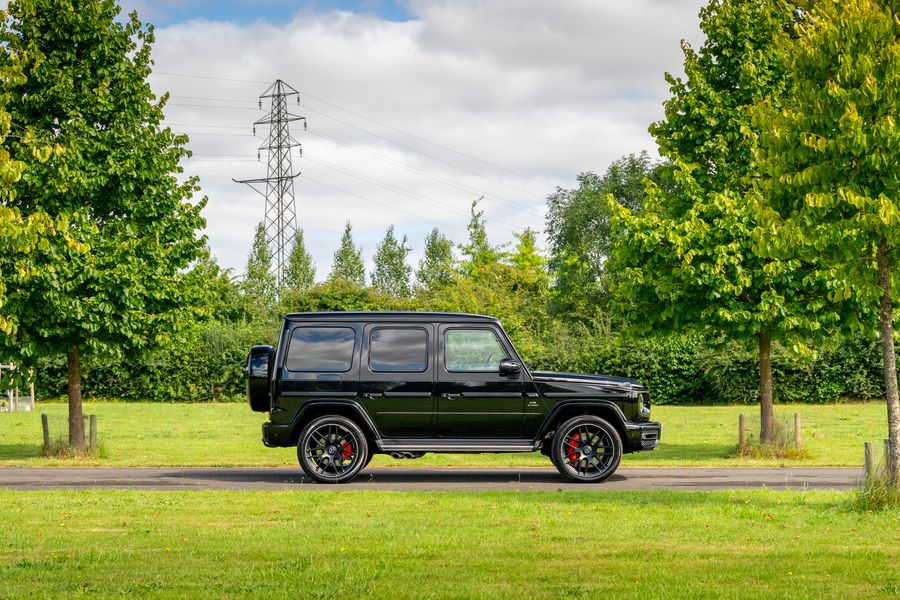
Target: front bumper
[
  {"x": 644, "y": 436},
  {"x": 276, "y": 435}
]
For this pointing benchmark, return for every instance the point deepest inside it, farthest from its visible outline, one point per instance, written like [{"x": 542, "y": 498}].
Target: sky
[{"x": 414, "y": 108}]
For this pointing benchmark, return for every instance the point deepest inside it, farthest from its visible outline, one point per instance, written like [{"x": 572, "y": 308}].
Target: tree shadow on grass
[
  {"x": 19, "y": 451},
  {"x": 699, "y": 451}
]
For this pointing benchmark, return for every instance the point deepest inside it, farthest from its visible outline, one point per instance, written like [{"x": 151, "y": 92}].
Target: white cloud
[{"x": 547, "y": 89}]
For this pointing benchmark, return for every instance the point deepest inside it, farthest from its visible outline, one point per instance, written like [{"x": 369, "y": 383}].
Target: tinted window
[
  {"x": 321, "y": 349},
  {"x": 472, "y": 350},
  {"x": 397, "y": 350}
]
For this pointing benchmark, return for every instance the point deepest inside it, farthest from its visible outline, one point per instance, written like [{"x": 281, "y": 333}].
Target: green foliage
[
  {"x": 831, "y": 149},
  {"x": 478, "y": 252},
  {"x": 259, "y": 281},
  {"x": 117, "y": 183},
  {"x": 580, "y": 234},
  {"x": 392, "y": 272},
  {"x": 301, "y": 271},
  {"x": 436, "y": 268},
  {"x": 348, "y": 262}
]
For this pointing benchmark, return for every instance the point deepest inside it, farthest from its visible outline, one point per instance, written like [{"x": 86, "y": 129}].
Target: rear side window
[
  {"x": 327, "y": 349},
  {"x": 472, "y": 350},
  {"x": 398, "y": 350}
]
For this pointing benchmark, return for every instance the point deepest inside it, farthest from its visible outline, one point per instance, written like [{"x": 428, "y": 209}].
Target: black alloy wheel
[
  {"x": 332, "y": 449},
  {"x": 586, "y": 449}
]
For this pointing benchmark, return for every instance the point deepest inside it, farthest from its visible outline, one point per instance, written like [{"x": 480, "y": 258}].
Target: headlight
[{"x": 644, "y": 402}]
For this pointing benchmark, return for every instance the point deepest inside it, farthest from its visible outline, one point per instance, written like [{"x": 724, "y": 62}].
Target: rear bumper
[
  {"x": 644, "y": 436},
  {"x": 276, "y": 435}
]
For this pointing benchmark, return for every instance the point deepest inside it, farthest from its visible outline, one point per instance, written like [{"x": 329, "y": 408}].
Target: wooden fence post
[
  {"x": 798, "y": 436},
  {"x": 868, "y": 459},
  {"x": 46, "y": 427},
  {"x": 93, "y": 436},
  {"x": 742, "y": 432}
]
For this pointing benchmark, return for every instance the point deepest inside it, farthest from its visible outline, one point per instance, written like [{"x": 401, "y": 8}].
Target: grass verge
[
  {"x": 739, "y": 544},
  {"x": 153, "y": 434}
]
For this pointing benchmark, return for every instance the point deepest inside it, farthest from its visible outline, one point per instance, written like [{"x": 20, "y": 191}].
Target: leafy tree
[
  {"x": 436, "y": 268},
  {"x": 579, "y": 232},
  {"x": 348, "y": 262},
  {"x": 688, "y": 261},
  {"x": 531, "y": 265},
  {"x": 392, "y": 272},
  {"x": 117, "y": 182},
  {"x": 832, "y": 154},
  {"x": 301, "y": 271},
  {"x": 478, "y": 252},
  {"x": 259, "y": 281}
]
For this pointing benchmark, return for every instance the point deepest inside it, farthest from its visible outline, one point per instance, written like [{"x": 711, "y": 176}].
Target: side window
[
  {"x": 327, "y": 349},
  {"x": 472, "y": 350},
  {"x": 398, "y": 350}
]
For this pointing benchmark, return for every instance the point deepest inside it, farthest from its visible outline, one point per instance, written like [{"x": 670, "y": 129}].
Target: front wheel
[
  {"x": 332, "y": 449},
  {"x": 586, "y": 449}
]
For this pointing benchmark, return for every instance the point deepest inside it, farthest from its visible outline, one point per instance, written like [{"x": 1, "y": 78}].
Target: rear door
[
  {"x": 473, "y": 399},
  {"x": 397, "y": 378}
]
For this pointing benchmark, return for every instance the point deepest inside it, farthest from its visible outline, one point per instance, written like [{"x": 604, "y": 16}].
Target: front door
[{"x": 473, "y": 399}]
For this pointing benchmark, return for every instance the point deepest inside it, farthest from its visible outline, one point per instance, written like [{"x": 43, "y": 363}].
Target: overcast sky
[{"x": 414, "y": 108}]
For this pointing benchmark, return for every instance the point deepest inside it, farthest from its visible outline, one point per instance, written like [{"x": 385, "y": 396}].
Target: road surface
[{"x": 408, "y": 478}]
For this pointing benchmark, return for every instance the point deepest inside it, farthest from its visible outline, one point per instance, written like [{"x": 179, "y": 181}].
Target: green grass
[
  {"x": 759, "y": 544},
  {"x": 150, "y": 434}
]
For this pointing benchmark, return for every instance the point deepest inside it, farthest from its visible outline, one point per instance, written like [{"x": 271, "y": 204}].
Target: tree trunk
[
  {"x": 886, "y": 319},
  {"x": 766, "y": 410},
  {"x": 76, "y": 416}
]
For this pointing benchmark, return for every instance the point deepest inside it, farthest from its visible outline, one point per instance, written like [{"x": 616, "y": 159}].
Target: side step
[{"x": 456, "y": 446}]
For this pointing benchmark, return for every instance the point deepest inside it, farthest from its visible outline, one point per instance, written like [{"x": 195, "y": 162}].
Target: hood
[{"x": 580, "y": 384}]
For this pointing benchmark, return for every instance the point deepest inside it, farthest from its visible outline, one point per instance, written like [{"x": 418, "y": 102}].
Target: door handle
[{"x": 451, "y": 396}]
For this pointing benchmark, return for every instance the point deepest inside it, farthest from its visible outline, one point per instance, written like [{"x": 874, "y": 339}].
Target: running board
[{"x": 420, "y": 445}]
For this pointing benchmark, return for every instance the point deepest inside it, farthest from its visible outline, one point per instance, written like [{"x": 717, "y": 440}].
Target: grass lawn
[
  {"x": 760, "y": 544},
  {"x": 151, "y": 434}
]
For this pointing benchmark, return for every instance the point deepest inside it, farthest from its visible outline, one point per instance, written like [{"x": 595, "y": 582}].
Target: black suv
[{"x": 342, "y": 386}]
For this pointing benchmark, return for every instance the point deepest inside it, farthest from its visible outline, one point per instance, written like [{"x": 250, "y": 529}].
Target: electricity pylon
[{"x": 281, "y": 215}]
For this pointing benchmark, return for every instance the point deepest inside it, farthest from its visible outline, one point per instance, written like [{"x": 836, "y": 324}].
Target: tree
[
  {"x": 579, "y": 232},
  {"x": 301, "y": 271},
  {"x": 689, "y": 260},
  {"x": 436, "y": 268},
  {"x": 831, "y": 152},
  {"x": 117, "y": 182},
  {"x": 478, "y": 252},
  {"x": 348, "y": 262},
  {"x": 259, "y": 281},
  {"x": 392, "y": 272}
]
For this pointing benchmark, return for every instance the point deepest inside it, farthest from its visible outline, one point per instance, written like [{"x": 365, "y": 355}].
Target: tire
[
  {"x": 332, "y": 449},
  {"x": 582, "y": 462}
]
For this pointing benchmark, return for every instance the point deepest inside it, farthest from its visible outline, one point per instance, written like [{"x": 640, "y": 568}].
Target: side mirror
[{"x": 509, "y": 367}]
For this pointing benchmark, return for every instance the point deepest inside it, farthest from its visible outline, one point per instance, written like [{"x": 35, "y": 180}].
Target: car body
[{"x": 407, "y": 383}]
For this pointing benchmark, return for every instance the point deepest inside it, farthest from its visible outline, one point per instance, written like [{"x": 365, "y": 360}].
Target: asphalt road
[{"x": 408, "y": 478}]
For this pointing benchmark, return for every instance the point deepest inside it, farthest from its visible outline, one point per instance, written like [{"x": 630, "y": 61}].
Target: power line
[
  {"x": 397, "y": 189},
  {"x": 328, "y": 185},
  {"x": 377, "y": 122}
]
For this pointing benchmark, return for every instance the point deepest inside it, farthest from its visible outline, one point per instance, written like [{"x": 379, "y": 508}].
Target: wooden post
[
  {"x": 798, "y": 436},
  {"x": 93, "y": 432},
  {"x": 46, "y": 427},
  {"x": 33, "y": 399},
  {"x": 868, "y": 459},
  {"x": 742, "y": 431}
]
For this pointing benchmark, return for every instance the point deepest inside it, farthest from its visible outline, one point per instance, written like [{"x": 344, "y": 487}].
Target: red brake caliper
[
  {"x": 571, "y": 448},
  {"x": 346, "y": 449}
]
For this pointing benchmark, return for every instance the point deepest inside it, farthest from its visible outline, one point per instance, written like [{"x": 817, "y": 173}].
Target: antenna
[{"x": 278, "y": 185}]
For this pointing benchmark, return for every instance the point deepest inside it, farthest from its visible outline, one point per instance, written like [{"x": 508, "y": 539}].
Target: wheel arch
[
  {"x": 342, "y": 408},
  {"x": 604, "y": 409}
]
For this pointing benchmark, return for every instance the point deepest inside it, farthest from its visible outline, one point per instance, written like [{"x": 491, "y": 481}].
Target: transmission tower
[{"x": 278, "y": 184}]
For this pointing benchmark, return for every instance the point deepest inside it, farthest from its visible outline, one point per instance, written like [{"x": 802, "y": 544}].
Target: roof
[{"x": 386, "y": 315}]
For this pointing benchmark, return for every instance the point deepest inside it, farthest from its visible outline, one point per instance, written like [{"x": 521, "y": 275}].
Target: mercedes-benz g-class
[{"x": 343, "y": 386}]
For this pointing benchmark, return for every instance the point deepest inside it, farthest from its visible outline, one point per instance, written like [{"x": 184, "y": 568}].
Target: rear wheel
[
  {"x": 586, "y": 449},
  {"x": 332, "y": 449}
]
